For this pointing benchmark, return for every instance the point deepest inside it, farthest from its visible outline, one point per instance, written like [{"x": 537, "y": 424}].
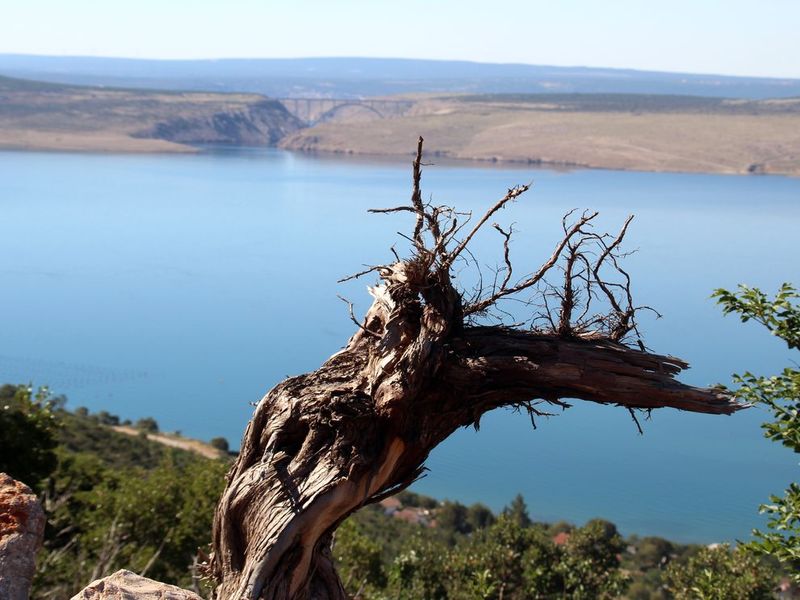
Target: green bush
[
  {"x": 147, "y": 424},
  {"x": 28, "y": 429},
  {"x": 220, "y": 443},
  {"x": 721, "y": 574},
  {"x": 781, "y": 395}
]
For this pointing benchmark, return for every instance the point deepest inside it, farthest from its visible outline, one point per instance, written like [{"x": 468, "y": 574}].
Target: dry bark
[{"x": 322, "y": 445}]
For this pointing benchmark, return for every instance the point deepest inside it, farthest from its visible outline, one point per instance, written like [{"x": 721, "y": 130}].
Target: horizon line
[{"x": 391, "y": 58}]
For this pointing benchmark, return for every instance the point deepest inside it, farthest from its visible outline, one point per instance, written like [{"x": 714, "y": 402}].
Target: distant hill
[
  {"x": 646, "y": 132},
  {"x": 638, "y": 103},
  {"x": 53, "y": 116},
  {"x": 11, "y": 84},
  {"x": 355, "y": 77},
  {"x": 608, "y": 131}
]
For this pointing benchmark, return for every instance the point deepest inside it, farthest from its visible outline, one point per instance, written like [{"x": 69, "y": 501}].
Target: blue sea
[{"x": 185, "y": 287}]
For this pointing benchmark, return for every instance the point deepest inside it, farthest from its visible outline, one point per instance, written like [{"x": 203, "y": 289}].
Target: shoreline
[
  {"x": 89, "y": 145},
  {"x": 550, "y": 165},
  {"x": 160, "y": 147},
  {"x": 620, "y": 133}
]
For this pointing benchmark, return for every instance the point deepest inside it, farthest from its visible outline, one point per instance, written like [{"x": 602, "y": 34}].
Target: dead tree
[{"x": 422, "y": 363}]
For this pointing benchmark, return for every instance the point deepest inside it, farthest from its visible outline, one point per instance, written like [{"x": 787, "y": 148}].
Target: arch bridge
[{"x": 318, "y": 110}]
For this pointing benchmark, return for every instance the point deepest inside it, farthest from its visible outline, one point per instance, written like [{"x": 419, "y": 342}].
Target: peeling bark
[{"x": 322, "y": 445}]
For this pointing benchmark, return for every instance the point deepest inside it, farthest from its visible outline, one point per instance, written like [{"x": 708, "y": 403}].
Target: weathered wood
[{"x": 322, "y": 445}]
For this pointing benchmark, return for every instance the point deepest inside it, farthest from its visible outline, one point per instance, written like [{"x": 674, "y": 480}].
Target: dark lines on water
[{"x": 63, "y": 376}]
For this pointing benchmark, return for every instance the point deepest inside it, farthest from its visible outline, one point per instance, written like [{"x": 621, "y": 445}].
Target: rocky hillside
[
  {"x": 261, "y": 123},
  {"x": 42, "y": 116},
  {"x": 629, "y": 132}
]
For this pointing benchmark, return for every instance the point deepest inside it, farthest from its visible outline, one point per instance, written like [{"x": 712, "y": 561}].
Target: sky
[{"x": 729, "y": 37}]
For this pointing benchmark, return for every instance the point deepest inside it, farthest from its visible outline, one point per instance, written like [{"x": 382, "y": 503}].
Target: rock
[
  {"x": 21, "y": 532},
  {"x": 124, "y": 585},
  {"x": 261, "y": 123}
]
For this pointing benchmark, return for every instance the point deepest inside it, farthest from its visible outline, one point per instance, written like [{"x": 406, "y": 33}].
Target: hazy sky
[{"x": 737, "y": 37}]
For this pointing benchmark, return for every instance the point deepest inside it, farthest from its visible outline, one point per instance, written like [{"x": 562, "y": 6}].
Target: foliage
[
  {"x": 720, "y": 574},
  {"x": 590, "y": 562},
  {"x": 518, "y": 512},
  {"x": 120, "y": 501},
  {"x": 645, "y": 559},
  {"x": 86, "y": 434},
  {"x": 781, "y": 394},
  {"x": 479, "y": 516},
  {"x": 147, "y": 424},
  {"x": 409, "y": 498},
  {"x": 499, "y": 559},
  {"x": 220, "y": 443},
  {"x": 417, "y": 573},
  {"x": 780, "y": 315},
  {"x": 654, "y": 552},
  {"x": 452, "y": 516},
  {"x": 360, "y": 559},
  {"x": 106, "y": 418},
  {"x": 28, "y": 429},
  {"x": 151, "y": 522},
  {"x": 489, "y": 564}
]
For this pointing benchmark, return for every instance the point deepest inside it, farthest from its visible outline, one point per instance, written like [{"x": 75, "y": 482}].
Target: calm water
[{"x": 184, "y": 287}]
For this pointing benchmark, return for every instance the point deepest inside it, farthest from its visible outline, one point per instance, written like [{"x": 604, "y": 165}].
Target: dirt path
[{"x": 189, "y": 445}]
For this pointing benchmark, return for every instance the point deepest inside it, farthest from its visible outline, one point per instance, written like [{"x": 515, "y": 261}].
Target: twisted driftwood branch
[{"x": 322, "y": 445}]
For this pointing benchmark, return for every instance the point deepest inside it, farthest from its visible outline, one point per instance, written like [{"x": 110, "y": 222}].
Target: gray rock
[
  {"x": 124, "y": 585},
  {"x": 21, "y": 532},
  {"x": 261, "y": 123}
]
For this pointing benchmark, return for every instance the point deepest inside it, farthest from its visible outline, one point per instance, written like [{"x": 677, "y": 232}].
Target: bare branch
[
  {"x": 606, "y": 252},
  {"x": 359, "y": 274},
  {"x": 506, "y": 257},
  {"x": 381, "y": 211},
  {"x": 353, "y": 317},
  {"x": 568, "y": 297},
  {"x": 512, "y": 194},
  {"x": 536, "y": 277},
  {"x": 635, "y": 420},
  {"x": 433, "y": 225},
  {"x": 416, "y": 195}
]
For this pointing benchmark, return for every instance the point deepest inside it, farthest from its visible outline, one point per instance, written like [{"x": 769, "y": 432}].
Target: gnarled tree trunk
[{"x": 324, "y": 444}]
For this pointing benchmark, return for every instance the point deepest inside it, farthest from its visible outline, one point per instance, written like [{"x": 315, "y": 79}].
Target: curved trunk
[{"x": 324, "y": 444}]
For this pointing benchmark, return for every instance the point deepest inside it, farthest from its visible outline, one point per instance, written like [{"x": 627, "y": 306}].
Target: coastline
[
  {"x": 657, "y": 142},
  {"x": 521, "y": 163},
  {"x": 616, "y": 132},
  {"x": 72, "y": 144},
  {"x": 34, "y": 141}
]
